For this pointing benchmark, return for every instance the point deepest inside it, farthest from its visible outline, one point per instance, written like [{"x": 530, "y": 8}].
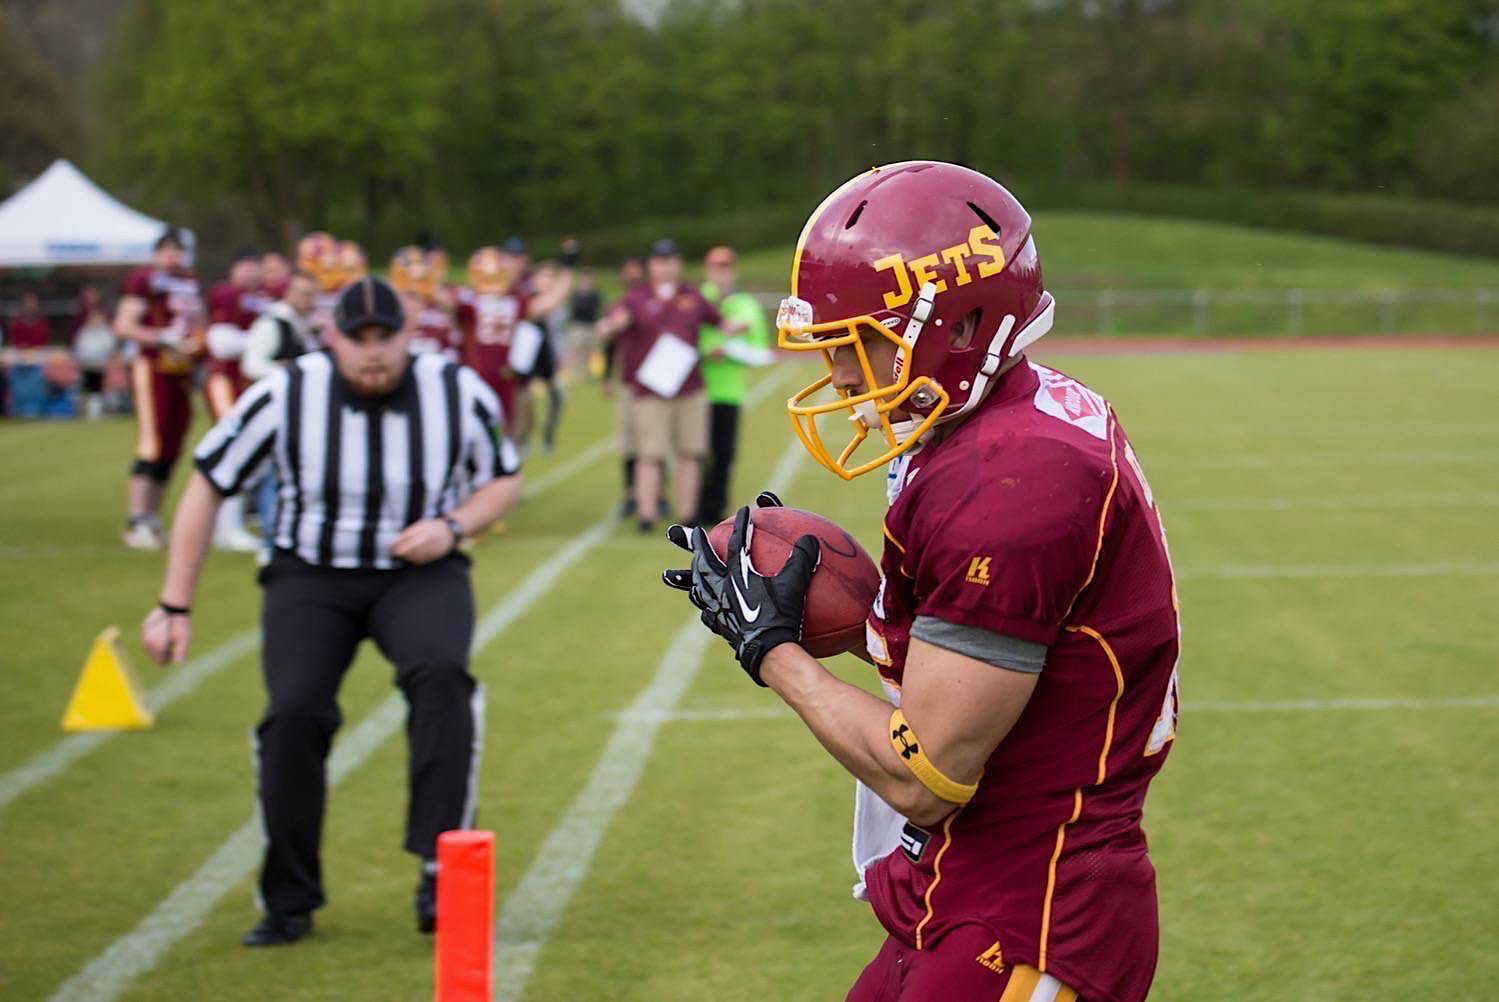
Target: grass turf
[{"x": 1345, "y": 849}]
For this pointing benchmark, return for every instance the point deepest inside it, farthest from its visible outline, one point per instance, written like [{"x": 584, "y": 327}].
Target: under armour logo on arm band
[{"x": 903, "y": 739}]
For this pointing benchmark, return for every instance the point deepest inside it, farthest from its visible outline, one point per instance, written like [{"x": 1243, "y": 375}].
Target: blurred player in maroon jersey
[
  {"x": 1026, "y": 631},
  {"x": 488, "y": 311},
  {"x": 233, "y": 306},
  {"x": 161, "y": 310}
]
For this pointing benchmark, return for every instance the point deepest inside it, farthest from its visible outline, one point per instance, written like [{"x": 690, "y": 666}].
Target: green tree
[{"x": 303, "y": 114}]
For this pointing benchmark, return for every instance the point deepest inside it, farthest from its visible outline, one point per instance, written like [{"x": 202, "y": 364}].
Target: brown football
[{"x": 843, "y": 587}]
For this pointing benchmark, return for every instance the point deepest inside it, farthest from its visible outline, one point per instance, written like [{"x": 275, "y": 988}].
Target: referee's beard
[{"x": 372, "y": 359}]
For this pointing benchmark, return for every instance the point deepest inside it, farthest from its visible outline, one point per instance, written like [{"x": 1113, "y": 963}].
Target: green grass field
[{"x": 1323, "y": 829}]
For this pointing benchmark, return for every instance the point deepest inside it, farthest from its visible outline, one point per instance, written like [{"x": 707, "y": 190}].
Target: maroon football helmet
[{"x": 906, "y": 252}]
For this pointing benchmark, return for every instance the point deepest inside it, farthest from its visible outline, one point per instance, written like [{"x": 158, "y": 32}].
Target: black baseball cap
[
  {"x": 665, "y": 247},
  {"x": 369, "y": 302}
]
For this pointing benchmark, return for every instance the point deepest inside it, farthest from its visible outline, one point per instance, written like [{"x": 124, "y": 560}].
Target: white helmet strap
[{"x": 993, "y": 359}]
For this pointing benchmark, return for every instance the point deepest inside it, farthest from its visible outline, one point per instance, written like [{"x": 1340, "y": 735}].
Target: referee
[{"x": 385, "y": 461}]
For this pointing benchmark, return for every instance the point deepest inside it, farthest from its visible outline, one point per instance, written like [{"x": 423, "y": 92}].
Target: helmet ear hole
[{"x": 961, "y": 336}]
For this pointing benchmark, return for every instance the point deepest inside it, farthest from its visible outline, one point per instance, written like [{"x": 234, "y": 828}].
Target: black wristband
[{"x": 175, "y": 610}]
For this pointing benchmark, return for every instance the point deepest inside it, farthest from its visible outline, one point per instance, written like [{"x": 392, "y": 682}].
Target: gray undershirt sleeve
[{"x": 996, "y": 649}]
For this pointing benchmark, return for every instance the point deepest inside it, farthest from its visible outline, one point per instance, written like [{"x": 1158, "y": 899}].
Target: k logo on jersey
[{"x": 978, "y": 571}]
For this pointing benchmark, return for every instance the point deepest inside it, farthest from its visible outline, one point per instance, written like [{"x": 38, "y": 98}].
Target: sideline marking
[
  {"x": 55, "y": 759},
  {"x": 188, "y": 904},
  {"x": 113, "y": 971},
  {"x": 1332, "y": 502},
  {"x": 535, "y": 906},
  {"x": 1393, "y": 570},
  {"x": 1351, "y": 457}
]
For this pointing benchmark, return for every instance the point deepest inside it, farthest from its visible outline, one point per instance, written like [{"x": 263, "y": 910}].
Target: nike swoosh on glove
[{"x": 753, "y": 612}]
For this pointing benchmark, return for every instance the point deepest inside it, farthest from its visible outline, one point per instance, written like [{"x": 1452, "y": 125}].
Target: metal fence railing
[
  {"x": 1277, "y": 312},
  {"x": 1286, "y": 312}
]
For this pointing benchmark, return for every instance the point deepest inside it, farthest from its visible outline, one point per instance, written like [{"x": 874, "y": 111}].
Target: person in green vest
[{"x": 727, "y": 360}]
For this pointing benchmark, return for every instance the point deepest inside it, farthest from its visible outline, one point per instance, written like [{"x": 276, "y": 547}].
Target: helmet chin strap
[{"x": 994, "y": 361}]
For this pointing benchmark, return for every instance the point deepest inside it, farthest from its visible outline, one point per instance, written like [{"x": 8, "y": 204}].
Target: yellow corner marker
[{"x": 107, "y": 697}]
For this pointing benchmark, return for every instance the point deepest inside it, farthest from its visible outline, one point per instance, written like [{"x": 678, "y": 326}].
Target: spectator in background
[
  {"x": 275, "y": 274},
  {"x": 550, "y": 285},
  {"x": 631, "y": 275},
  {"x": 93, "y": 346},
  {"x": 582, "y": 315},
  {"x": 657, "y": 325},
  {"x": 26, "y": 349},
  {"x": 726, "y": 362}
]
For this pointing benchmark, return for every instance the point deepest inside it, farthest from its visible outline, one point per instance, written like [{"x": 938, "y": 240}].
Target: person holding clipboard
[{"x": 656, "y": 328}]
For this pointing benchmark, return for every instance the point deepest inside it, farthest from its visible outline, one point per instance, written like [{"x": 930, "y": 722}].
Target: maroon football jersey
[
  {"x": 230, "y": 304},
  {"x": 28, "y": 333},
  {"x": 1033, "y": 519},
  {"x": 433, "y": 330},
  {"x": 651, "y": 318},
  {"x": 486, "y": 321},
  {"x": 170, "y": 296}
]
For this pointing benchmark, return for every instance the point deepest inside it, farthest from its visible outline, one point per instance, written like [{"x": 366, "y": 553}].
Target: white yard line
[
  {"x": 1346, "y": 457},
  {"x": 545, "y": 481},
  {"x": 1369, "y": 570},
  {"x": 188, "y": 904},
  {"x": 181, "y": 681},
  {"x": 1332, "y": 502},
  {"x": 55, "y": 759},
  {"x": 538, "y": 901},
  {"x": 184, "y": 909}
]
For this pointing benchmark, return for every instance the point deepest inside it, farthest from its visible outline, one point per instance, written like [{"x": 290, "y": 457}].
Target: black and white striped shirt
[{"x": 354, "y": 471}]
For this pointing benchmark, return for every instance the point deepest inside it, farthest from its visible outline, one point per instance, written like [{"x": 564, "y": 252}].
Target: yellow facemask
[{"x": 870, "y": 410}]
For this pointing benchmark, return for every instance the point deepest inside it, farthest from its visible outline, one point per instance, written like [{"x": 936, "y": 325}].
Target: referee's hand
[
  {"x": 166, "y": 636},
  {"x": 423, "y": 542}
]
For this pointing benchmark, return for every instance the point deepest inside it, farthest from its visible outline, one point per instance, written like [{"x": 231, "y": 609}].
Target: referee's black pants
[
  {"x": 723, "y": 442},
  {"x": 422, "y": 619}
]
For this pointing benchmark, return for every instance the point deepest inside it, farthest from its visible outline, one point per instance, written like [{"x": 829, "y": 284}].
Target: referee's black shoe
[
  {"x": 426, "y": 902},
  {"x": 279, "y": 930}
]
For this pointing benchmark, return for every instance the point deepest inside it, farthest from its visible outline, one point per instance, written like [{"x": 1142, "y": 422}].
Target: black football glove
[{"x": 754, "y": 613}]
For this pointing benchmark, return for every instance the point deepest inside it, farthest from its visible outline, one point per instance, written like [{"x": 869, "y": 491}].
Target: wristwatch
[{"x": 455, "y": 527}]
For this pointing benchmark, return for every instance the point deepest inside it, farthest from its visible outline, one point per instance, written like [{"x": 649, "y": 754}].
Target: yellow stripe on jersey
[{"x": 1051, "y": 873}]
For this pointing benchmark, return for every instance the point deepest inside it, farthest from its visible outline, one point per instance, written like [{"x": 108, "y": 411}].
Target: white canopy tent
[{"x": 63, "y": 219}]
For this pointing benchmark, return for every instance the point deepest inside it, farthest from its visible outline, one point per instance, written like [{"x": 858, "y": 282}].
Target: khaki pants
[{"x": 660, "y": 429}]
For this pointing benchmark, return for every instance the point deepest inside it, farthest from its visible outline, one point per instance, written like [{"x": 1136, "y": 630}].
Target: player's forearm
[
  {"x": 488, "y": 504},
  {"x": 128, "y": 323},
  {"x": 853, "y": 725},
  {"x": 192, "y": 527}
]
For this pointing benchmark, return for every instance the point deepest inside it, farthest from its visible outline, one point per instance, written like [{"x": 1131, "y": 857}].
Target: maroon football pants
[
  {"x": 163, "y": 410},
  {"x": 966, "y": 965}
]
